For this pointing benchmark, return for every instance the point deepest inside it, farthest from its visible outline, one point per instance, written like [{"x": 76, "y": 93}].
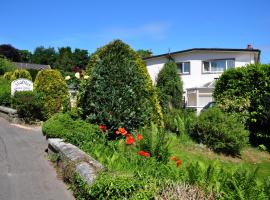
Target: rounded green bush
[
  {"x": 119, "y": 92},
  {"x": 246, "y": 91},
  {"x": 29, "y": 105},
  {"x": 8, "y": 75},
  {"x": 21, "y": 73},
  {"x": 170, "y": 86},
  {"x": 55, "y": 91},
  {"x": 221, "y": 132}
]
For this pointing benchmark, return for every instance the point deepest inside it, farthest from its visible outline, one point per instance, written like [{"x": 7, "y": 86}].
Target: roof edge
[{"x": 203, "y": 49}]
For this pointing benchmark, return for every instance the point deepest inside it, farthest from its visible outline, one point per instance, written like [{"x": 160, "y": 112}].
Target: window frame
[
  {"x": 210, "y": 65},
  {"x": 183, "y": 63}
]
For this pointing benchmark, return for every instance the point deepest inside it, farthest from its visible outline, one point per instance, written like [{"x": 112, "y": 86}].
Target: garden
[{"x": 151, "y": 147}]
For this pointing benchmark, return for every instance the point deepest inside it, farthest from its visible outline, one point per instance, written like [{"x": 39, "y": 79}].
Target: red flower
[
  {"x": 103, "y": 127},
  {"x": 129, "y": 139},
  {"x": 178, "y": 163},
  {"x": 121, "y": 131},
  {"x": 140, "y": 137},
  {"x": 143, "y": 153},
  {"x": 174, "y": 158}
]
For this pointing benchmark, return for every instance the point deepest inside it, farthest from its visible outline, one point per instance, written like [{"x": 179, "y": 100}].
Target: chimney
[{"x": 249, "y": 46}]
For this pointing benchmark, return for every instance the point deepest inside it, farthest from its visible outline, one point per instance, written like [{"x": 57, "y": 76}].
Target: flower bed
[{"x": 140, "y": 165}]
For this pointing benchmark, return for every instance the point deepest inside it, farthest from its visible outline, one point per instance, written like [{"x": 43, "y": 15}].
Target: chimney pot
[{"x": 249, "y": 46}]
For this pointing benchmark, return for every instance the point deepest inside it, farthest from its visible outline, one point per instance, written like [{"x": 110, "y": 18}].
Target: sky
[{"x": 156, "y": 25}]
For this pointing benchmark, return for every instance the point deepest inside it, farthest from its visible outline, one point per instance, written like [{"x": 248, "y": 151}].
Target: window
[
  {"x": 183, "y": 67},
  {"x": 218, "y": 65}
]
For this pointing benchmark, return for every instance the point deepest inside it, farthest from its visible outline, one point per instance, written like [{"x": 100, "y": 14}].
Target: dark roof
[
  {"x": 204, "y": 49},
  {"x": 31, "y": 66}
]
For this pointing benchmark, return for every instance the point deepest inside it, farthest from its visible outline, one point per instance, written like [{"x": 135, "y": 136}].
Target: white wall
[{"x": 196, "y": 78}]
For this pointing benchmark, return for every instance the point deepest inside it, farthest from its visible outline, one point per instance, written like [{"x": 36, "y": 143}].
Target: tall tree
[
  {"x": 42, "y": 55},
  {"x": 25, "y": 55},
  {"x": 170, "y": 86},
  {"x": 144, "y": 53},
  {"x": 64, "y": 60},
  {"x": 10, "y": 52},
  {"x": 80, "y": 58}
]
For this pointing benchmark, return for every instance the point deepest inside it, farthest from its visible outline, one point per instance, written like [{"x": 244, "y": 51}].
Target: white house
[{"x": 199, "y": 67}]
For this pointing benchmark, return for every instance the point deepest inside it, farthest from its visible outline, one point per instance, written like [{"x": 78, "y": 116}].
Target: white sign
[{"x": 21, "y": 84}]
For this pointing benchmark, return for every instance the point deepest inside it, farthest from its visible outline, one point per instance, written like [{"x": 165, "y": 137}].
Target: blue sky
[{"x": 156, "y": 25}]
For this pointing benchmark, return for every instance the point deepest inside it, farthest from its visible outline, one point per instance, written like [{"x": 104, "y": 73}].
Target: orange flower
[
  {"x": 178, "y": 163},
  {"x": 103, "y": 127},
  {"x": 143, "y": 153},
  {"x": 130, "y": 139},
  {"x": 140, "y": 137},
  {"x": 121, "y": 131},
  {"x": 174, "y": 158}
]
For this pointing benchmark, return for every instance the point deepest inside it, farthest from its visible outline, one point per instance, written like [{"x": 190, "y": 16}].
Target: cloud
[{"x": 151, "y": 30}]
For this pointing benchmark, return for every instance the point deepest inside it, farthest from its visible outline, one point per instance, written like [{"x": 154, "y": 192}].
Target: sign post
[{"x": 21, "y": 84}]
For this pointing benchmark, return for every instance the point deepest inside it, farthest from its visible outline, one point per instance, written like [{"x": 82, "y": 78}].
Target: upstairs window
[
  {"x": 217, "y": 66},
  {"x": 183, "y": 67}
]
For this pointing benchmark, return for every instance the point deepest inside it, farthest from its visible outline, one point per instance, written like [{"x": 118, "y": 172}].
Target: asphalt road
[{"x": 25, "y": 172}]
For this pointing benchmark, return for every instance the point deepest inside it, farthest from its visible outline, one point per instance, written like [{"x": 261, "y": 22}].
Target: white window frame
[
  {"x": 183, "y": 63},
  {"x": 210, "y": 65}
]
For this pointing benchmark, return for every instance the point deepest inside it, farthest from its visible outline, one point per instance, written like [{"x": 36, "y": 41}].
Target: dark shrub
[
  {"x": 221, "y": 132},
  {"x": 29, "y": 105},
  {"x": 33, "y": 73},
  {"x": 5, "y": 92},
  {"x": 54, "y": 88},
  {"x": 170, "y": 86},
  {"x": 119, "y": 92}
]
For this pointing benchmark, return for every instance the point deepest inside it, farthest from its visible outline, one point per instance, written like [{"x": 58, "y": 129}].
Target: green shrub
[
  {"x": 221, "y": 132},
  {"x": 55, "y": 91},
  {"x": 8, "y": 75},
  {"x": 119, "y": 92},
  {"x": 21, "y": 73},
  {"x": 73, "y": 130},
  {"x": 110, "y": 186},
  {"x": 246, "y": 91},
  {"x": 6, "y": 66},
  {"x": 29, "y": 105},
  {"x": 5, "y": 92},
  {"x": 170, "y": 86}
]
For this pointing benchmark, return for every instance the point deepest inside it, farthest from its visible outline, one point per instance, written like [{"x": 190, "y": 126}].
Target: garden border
[
  {"x": 10, "y": 114},
  {"x": 86, "y": 166}
]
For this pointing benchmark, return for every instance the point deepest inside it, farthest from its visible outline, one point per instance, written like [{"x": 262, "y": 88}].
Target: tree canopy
[{"x": 10, "y": 52}]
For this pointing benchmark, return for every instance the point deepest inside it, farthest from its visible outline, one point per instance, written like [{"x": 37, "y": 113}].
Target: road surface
[{"x": 25, "y": 172}]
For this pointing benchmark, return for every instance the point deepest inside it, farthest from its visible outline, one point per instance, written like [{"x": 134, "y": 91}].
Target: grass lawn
[{"x": 251, "y": 158}]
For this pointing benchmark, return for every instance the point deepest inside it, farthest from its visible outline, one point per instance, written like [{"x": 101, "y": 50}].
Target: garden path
[{"x": 25, "y": 172}]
